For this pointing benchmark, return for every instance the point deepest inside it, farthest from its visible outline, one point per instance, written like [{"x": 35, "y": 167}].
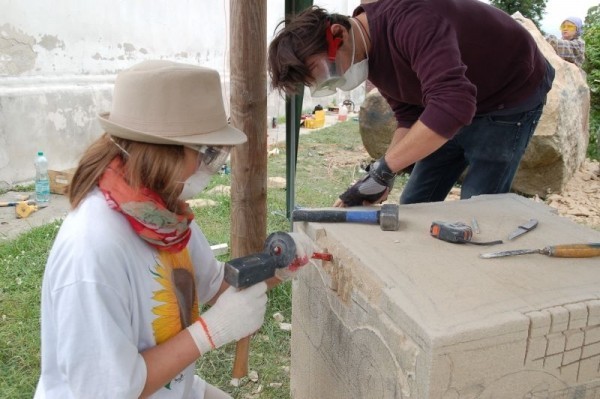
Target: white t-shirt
[{"x": 107, "y": 296}]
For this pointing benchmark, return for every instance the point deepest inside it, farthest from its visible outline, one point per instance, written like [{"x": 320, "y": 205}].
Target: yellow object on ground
[
  {"x": 317, "y": 121},
  {"x": 23, "y": 209}
]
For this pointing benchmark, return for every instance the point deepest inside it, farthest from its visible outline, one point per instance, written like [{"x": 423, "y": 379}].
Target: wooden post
[
  {"x": 249, "y": 114},
  {"x": 248, "y": 161}
]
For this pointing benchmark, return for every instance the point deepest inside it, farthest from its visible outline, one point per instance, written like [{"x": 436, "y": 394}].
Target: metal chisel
[
  {"x": 558, "y": 251},
  {"x": 524, "y": 228}
]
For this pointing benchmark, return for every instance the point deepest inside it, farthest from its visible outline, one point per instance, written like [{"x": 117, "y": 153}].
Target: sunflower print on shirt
[{"x": 178, "y": 298}]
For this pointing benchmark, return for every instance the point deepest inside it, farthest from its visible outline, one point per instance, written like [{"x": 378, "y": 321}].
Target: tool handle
[
  {"x": 240, "y": 362},
  {"x": 334, "y": 216},
  {"x": 573, "y": 250},
  {"x": 242, "y": 347}
]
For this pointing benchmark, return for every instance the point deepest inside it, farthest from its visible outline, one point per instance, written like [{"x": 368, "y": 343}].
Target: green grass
[
  {"x": 21, "y": 267},
  {"x": 593, "y": 150},
  {"x": 22, "y": 262},
  {"x": 20, "y": 188}
]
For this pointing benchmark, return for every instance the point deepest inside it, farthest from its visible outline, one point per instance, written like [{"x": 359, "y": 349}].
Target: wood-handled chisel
[{"x": 558, "y": 251}]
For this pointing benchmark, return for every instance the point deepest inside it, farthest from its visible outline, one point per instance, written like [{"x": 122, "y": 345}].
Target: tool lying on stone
[
  {"x": 524, "y": 228},
  {"x": 456, "y": 232},
  {"x": 15, "y": 203},
  {"x": 281, "y": 251},
  {"x": 557, "y": 251},
  {"x": 475, "y": 226},
  {"x": 387, "y": 217}
]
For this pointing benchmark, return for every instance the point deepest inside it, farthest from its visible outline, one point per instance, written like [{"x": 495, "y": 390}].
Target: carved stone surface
[{"x": 400, "y": 314}]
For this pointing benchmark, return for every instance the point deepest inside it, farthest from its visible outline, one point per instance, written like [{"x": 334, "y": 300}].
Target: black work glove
[{"x": 371, "y": 187}]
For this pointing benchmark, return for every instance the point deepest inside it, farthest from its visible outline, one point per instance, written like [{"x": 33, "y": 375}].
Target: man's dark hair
[{"x": 301, "y": 37}]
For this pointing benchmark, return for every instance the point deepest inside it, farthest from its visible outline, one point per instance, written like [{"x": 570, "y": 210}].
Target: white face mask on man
[
  {"x": 359, "y": 72},
  {"x": 329, "y": 81}
]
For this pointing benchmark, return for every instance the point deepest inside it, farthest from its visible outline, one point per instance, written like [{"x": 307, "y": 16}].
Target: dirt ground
[{"x": 579, "y": 201}]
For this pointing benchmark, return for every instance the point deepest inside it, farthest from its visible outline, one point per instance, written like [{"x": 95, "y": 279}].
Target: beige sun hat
[{"x": 165, "y": 102}]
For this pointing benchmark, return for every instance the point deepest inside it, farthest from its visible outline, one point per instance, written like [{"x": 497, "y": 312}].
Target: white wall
[{"x": 58, "y": 60}]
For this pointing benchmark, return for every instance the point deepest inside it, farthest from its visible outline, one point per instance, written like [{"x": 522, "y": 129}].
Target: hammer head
[
  {"x": 279, "y": 252},
  {"x": 389, "y": 219}
]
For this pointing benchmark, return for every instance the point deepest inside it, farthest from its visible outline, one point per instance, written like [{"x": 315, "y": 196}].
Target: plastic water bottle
[
  {"x": 42, "y": 182},
  {"x": 342, "y": 113}
]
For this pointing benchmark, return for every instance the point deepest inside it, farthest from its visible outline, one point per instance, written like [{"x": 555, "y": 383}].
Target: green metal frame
[{"x": 293, "y": 112}]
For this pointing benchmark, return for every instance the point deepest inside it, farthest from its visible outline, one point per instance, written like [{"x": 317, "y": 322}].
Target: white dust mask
[
  {"x": 196, "y": 183},
  {"x": 359, "y": 72}
]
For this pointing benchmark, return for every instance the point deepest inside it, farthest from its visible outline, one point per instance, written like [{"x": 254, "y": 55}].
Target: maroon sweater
[{"x": 444, "y": 61}]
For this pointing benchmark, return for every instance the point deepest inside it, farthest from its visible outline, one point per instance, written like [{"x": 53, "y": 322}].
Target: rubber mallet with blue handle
[{"x": 386, "y": 217}]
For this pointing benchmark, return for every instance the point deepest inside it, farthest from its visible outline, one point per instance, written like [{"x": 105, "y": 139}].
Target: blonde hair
[{"x": 153, "y": 166}]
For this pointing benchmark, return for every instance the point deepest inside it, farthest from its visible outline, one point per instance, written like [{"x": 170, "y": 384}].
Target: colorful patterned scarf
[{"x": 146, "y": 211}]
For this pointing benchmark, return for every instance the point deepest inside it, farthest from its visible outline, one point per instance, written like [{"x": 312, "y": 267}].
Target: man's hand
[{"x": 371, "y": 189}]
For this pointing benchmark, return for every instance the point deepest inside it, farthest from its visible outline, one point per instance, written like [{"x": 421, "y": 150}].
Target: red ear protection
[{"x": 333, "y": 42}]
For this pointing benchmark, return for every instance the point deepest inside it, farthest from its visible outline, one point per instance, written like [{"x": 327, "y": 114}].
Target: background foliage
[
  {"x": 532, "y": 9},
  {"x": 591, "y": 36}
]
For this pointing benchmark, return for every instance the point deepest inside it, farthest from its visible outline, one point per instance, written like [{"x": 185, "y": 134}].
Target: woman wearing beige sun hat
[{"x": 129, "y": 268}]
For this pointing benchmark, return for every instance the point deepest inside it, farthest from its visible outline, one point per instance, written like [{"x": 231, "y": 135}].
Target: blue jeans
[{"x": 491, "y": 147}]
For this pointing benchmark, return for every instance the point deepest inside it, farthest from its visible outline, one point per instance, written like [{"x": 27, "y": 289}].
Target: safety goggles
[
  {"x": 327, "y": 81},
  {"x": 213, "y": 157},
  {"x": 568, "y": 26},
  {"x": 325, "y": 72}
]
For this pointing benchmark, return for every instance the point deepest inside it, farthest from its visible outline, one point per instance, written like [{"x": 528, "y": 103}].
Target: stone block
[
  {"x": 589, "y": 369},
  {"x": 592, "y": 335},
  {"x": 594, "y": 313},
  {"x": 399, "y": 314},
  {"x": 578, "y": 315},
  {"x": 560, "y": 319},
  {"x": 556, "y": 343},
  {"x": 574, "y": 340}
]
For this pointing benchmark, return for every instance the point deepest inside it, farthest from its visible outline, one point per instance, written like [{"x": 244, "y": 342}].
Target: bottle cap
[{"x": 40, "y": 153}]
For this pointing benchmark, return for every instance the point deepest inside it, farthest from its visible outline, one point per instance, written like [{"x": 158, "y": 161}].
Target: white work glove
[
  {"x": 235, "y": 315},
  {"x": 304, "y": 251}
]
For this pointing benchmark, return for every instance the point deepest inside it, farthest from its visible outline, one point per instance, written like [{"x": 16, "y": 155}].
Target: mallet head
[
  {"x": 389, "y": 219},
  {"x": 279, "y": 251}
]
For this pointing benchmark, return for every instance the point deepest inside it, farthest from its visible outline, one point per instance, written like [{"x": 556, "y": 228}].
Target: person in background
[
  {"x": 129, "y": 268},
  {"x": 466, "y": 82},
  {"x": 570, "y": 47}
]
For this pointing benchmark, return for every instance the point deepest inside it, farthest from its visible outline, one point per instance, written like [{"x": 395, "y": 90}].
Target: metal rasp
[{"x": 558, "y": 251}]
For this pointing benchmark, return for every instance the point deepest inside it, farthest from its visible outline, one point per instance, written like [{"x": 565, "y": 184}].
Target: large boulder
[
  {"x": 558, "y": 147},
  {"x": 376, "y": 124}
]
